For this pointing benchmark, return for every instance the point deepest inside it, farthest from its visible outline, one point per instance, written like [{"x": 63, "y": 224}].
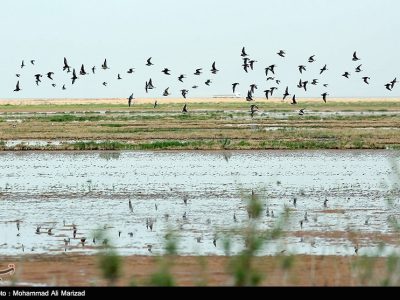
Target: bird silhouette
[
  {"x": 154, "y": 106},
  {"x": 393, "y": 82},
  {"x": 49, "y": 75},
  {"x": 314, "y": 82},
  {"x": 130, "y": 70},
  {"x": 94, "y": 69},
  {"x": 281, "y": 53},
  {"x": 32, "y": 61},
  {"x": 82, "y": 71},
  {"x": 302, "y": 68},
  {"x": 388, "y": 86},
  {"x": 22, "y": 64},
  {"x": 346, "y": 74},
  {"x": 301, "y": 111},
  {"x": 311, "y": 59},
  {"x": 166, "y": 92},
  {"x": 294, "y": 100},
  {"x": 74, "y": 77},
  {"x": 365, "y": 78},
  {"x": 324, "y": 68},
  {"x": 66, "y": 66},
  {"x": 214, "y": 69},
  {"x": 104, "y": 65},
  {"x": 119, "y": 76},
  {"x": 17, "y": 88},
  {"x": 286, "y": 93},
  {"x": 166, "y": 71},
  {"x": 358, "y": 69},
  {"x": 181, "y": 77},
  {"x": 63, "y": 87},
  {"x": 129, "y": 105},
  {"x": 324, "y": 96},
  {"x": 253, "y": 109},
  {"x": 355, "y": 58},
  {"x": 253, "y": 87},
  {"x": 234, "y": 85},
  {"x": 198, "y": 71},
  {"x": 243, "y": 54},
  {"x": 184, "y": 109},
  {"x": 208, "y": 82},
  {"x": 249, "y": 96},
  {"x": 184, "y": 93},
  {"x": 270, "y": 68},
  {"x": 105, "y": 83},
  {"x": 148, "y": 62},
  {"x": 251, "y": 64},
  {"x": 267, "y": 93}
]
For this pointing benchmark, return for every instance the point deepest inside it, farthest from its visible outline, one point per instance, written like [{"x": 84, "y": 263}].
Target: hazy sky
[{"x": 184, "y": 35}]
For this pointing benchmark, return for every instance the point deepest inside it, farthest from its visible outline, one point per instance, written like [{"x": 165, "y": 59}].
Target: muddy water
[{"x": 91, "y": 190}]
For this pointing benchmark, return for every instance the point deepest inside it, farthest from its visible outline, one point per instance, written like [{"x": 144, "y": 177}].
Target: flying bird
[
  {"x": 301, "y": 111},
  {"x": 249, "y": 96},
  {"x": 243, "y": 54},
  {"x": 208, "y": 82},
  {"x": 198, "y": 71},
  {"x": 130, "y": 70},
  {"x": 17, "y": 88},
  {"x": 281, "y": 53},
  {"x": 74, "y": 77},
  {"x": 234, "y": 85},
  {"x": 270, "y": 68},
  {"x": 184, "y": 109},
  {"x": 94, "y": 69},
  {"x": 302, "y": 68},
  {"x": 105, "y": 83},
  {"x": 66, "y": 66},
  {"x": 32, "y": 61},
  {"x": 149, "y": 63},
  {"x": 184, "y": 93},
  {"x": 355, "y": 58},
  {"x": 365, "y": 78},
  {"x": 119, "y": 76},
  {"x": 50, "y": 74},
  {"x": 324, "y": 68},
  {"x": 166, "y": 71},
  {"x": 346, "y": 74},
  {"x": 311, "y": 59},
  {"x": 388, "y": 86},
  {"x": 166, "y": 92},
  {"x": 129, "y": 104},
  {"x": 286, "y": 93},
  {"x": 214, "y": 70},
  {"x": 181, "y": 77},
  {"x": 324, "y": 96},
  {"x": 253, "y": 87},
  {"x": 314, "y": 82},
  {"x": 392, "y": 83},
  {"x": 253, "y": 109},
  {"x": 267, "y": 93},
  {"x": 82, "y": 72},
  {"x": 358, "y": 69},
  {"x": 251, "y": 63},
  {"x": 22, "y": 64},
  {"x": 104, "y": 65},
  {"x": 294, "y": 100}
]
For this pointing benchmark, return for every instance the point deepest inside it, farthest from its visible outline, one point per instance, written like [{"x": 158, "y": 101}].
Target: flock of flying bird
[{"x": 248, "y": 65}]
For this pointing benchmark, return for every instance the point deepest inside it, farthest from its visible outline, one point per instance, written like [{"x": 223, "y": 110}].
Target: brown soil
[{"x": 82, "y": 270}]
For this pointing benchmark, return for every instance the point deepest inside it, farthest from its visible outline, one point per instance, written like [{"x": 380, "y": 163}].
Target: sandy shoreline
[
  {"x": 60, "y": 101},
  {"x": 82, "y": 270}
]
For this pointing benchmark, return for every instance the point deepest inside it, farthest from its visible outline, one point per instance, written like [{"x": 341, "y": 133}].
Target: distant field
[{"x": 211, "y": 124}]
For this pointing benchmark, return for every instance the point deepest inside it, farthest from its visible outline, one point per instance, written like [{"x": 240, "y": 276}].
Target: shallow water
[{"x": 92, "y": 190}]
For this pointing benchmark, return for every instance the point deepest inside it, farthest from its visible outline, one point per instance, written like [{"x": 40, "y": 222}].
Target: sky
[{"x": 183, "y": 35}]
